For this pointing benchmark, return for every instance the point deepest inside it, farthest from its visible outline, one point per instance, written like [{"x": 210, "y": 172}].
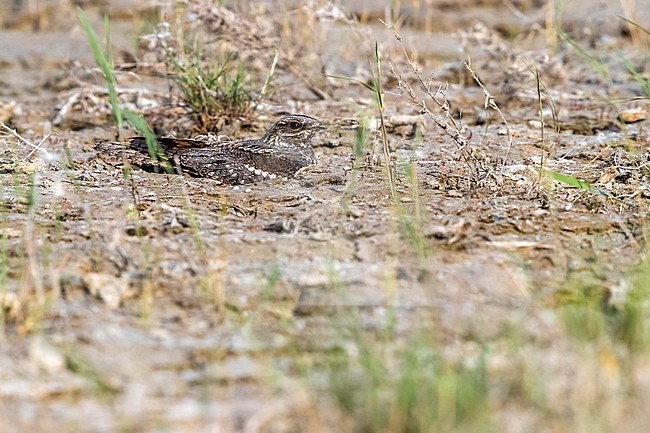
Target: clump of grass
[
  {"x": 217, "y": 92},
  {"x": 272, "y": 278},
  {"x": 213, "y": 60},
  {"x": 412, "y": 220},
  {"x": 592, "y": 310},
  {"x": 410, "y": 224},
  {"x": 598, "y": 62},
  {"x": 104, "y": 61},
  {"x": 76, "y": 363},
  {"x": 411, "y": 389},
  {"x": 26, "y": 303}
]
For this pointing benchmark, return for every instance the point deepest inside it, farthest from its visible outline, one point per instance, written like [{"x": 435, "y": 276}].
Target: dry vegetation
[{"x": 468, "y": 255}]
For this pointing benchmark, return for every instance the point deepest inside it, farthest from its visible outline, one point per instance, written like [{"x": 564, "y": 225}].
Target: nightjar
[{"x": 284, "y": 149}]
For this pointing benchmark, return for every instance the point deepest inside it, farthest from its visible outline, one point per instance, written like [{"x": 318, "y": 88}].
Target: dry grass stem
[{"x": 490, "y": 103}]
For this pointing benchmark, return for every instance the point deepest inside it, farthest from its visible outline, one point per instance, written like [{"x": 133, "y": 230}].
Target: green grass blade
[
  {"x": 155, "y": 151},
  {"x": 574, "y": 182},
  {"x": 104, "y": 65},
  {"x": 343, "y": 77},
  {"x": 644, "y": 83},
  {"x": 639, "y": 26},
  {"x": 380, "y": 102},
  {"x": 597, "y": 64}
]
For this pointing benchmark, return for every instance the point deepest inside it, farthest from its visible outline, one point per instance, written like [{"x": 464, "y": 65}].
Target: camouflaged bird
[{"x": 283, "y": 150}]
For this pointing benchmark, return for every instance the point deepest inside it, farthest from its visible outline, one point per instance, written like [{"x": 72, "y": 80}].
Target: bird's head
[{"x": 293, "y": 129}]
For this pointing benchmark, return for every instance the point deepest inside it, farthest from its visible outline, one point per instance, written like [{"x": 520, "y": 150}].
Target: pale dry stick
[
  {"x": 516, "y": 12},
  {"x": 552, "y": 24},
  {"x": 490, "y": 102},
  {"x": 564, "y": 157},
  {"x": 67, "y": 107},
  {"x": 632, "y": 16},
  {"x": 34, "y": 147},
  {"x": 38, "y": 147},
  {"x": 90, "y": 91},
  {"x": 268, "y": 78}
]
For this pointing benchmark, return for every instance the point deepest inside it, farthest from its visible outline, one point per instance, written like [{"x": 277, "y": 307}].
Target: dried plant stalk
[{"x": 445, "y": 120}]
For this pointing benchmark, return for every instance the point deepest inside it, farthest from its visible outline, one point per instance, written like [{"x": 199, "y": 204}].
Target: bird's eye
[{"x": 295, "y": 125}]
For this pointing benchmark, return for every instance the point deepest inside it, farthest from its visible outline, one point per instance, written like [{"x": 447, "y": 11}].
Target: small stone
[
  {"x": 633, "y": 115},
  {"x": 108, "y": 288},
  {"x": 11, "y": 232},
  {"x": 354, "y": 212},
  {"x": 46, "y": 357}
]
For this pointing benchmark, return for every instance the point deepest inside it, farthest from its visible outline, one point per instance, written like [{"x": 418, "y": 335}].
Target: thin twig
[{"x": 34, "y": 147}]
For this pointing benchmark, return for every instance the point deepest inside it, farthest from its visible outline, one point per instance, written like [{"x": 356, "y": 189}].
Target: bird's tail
[{"x": 136, "y": 154}]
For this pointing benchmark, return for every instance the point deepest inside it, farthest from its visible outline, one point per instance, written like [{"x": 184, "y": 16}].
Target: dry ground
[{"x": 161, "y": 303}]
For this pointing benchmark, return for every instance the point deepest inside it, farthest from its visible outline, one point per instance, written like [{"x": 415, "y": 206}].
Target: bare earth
[{"x": 163, "y": 303}]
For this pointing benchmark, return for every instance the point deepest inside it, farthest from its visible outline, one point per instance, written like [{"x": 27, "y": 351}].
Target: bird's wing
[
  {"x": 167, "y": 143},
  {"x": 219, "y": 163},
  {"x": 248, "y": 146}
]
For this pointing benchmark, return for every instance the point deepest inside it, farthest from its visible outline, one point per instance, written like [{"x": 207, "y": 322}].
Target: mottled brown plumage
[{"x": 283, "y": 150}]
